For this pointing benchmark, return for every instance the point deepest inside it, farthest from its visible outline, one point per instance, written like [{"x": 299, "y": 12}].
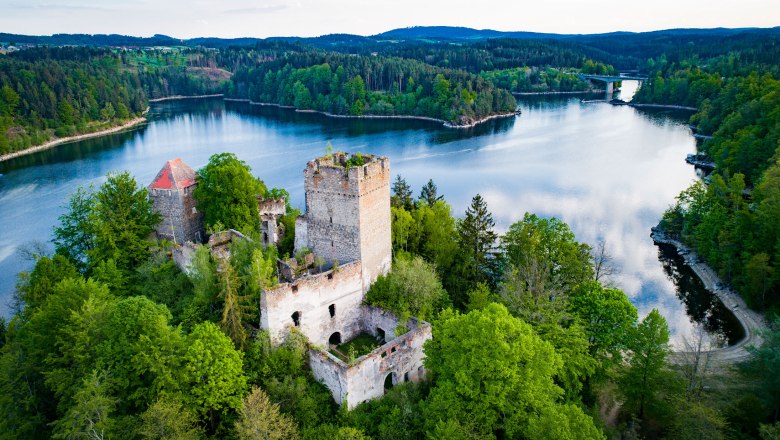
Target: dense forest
[{"x": 59, "y": 92}]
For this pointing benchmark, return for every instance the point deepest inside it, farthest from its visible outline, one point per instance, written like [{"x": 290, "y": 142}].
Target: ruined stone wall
[
  {"x": 364, "y": 379},
  {"x": 181, "y": 221},
  {"x": 375, "y": 220},
  {"x": 301, "y": 233},
  {"x": 348, "y": 213},
  {"x": 311, "y": 297},
  {"x": 332, "y": 213}
]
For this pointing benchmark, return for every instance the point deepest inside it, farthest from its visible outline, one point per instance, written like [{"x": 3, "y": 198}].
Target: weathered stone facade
[
  {"x": 347, "y": 221},
  {"x": 348, "y": 212},
  {"x": 171, "y": 194},
  {"x": 270, "y": 211},
  {"x": 396, "y": 361}
]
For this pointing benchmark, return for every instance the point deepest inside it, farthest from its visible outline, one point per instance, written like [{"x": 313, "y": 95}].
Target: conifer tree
[
  {"x": 402, "y": 194},
  {"x": 429, "y": 193}
]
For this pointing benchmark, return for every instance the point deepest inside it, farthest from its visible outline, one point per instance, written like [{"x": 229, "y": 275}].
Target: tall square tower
[{"x": 348, "y": 211}]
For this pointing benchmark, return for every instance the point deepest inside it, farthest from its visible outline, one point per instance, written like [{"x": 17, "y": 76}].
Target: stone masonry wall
[
  {"x": 332, "y": 213},
  {"x": 375, "y": 219},
  {"x": 400, "y": 358},
  {"x": 311, "y": 297},
  {"x": 348, "y": 214},
  {"x": 181, "y": 221}
]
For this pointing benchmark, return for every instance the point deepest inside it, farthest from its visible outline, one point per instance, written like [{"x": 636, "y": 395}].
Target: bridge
[{"x": 610, "y": 80}]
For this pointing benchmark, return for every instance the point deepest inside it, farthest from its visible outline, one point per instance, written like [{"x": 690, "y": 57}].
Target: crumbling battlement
[
  {"x": 318, "y": 305},
  {"x": 271, "y": 206},
  {"x": 398, "y": 360}
]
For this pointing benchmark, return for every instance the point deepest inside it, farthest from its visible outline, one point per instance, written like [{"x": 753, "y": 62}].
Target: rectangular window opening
[{"x": 332, "y": 309}]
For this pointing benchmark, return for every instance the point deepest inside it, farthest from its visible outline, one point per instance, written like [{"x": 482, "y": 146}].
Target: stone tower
[
  {"x": 348, "y": 212},
  {"x": 171, "y": 193}
]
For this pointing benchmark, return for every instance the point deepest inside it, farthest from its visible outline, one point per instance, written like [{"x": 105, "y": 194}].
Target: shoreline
[
  {"x": 582, "y": 92},
  {"x": 447, "y": 124},
  {"x": 180, "y": 97},
  {"x": 752, "y": 322},
  {"x": 79, "y": 137},
  {"x": 668, "y": 106}
]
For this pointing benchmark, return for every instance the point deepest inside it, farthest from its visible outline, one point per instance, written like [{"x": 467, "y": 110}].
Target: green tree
[
  {"x": 74, "y": 237},
  {"x": 90, "y": 415},
  {"x": 260, "y": 419},
  {"x": 411, "y": 288},
  {"x": 123, "y": 219},
  {"x": 429, "y": 193},
  {"x": 644, "y": 377},
  {"x": 546, "y": 255},
  {"x": 211, "y": 378},
  {"x": 235, "y": 309},
  {"x": 476, "y": 239},
  {"x": 402, "y": 194},
  {"x": 169, "y": 419},
  {"x": 227, "y": 193},
  {"x": 492, "y": 370},
  {"x": 608, "y": 317}
]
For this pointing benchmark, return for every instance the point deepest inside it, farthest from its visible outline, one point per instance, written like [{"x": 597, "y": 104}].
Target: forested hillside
[{"x": 58, "y": 92}]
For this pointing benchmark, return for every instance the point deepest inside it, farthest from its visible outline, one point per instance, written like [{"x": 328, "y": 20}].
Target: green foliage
[
  {"x": 429, "y": 194},
  {"x": 402, "y": 194},
  {"x": 411, "y": 288},
  {"x": 492, "y": 371},
  {"x": 608, "y": 317},
  {"x": 362, "y": 85},
  {"x": 74, "y": 238},
  {"x": 645, "y": 375},
  {"x": 169, "y": 419},
  {"x": 398, "y": 415},
  {"x": 545, "y": 255},
  {"x": 211, "y": 379},
  {"x": 90, "y": 415},
  {"x": 536, "y": 80},
  {"x": 473, "y": 261},
  {"x": 260, "y": 419},
  {"x": 34, "y": 287},
  {"x": 227, "y": 193}
]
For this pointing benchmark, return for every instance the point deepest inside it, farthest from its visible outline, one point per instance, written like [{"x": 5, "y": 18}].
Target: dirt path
[{"x": 752, "y": 322}]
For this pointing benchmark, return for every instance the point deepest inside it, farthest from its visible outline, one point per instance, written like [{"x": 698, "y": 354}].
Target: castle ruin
[{"x": 344, "y": 243}]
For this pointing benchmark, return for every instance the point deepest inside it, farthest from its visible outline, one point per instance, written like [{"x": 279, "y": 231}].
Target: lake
[{"x": 608, "y": 171}]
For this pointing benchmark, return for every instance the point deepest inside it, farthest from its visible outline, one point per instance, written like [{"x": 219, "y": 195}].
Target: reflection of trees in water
[
  {"x": 73, "y": 151},
  {"x": 702, "y": 307},
  {"x": 356, "y": 127}
]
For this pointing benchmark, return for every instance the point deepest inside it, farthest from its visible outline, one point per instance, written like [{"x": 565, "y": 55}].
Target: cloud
[{"x": 58, "y": 7}]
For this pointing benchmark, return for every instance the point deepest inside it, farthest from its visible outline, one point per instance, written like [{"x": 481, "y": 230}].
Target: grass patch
[{"x": 361, "y": 344}]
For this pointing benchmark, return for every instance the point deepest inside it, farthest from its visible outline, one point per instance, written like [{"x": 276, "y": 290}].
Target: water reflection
[{"x": 607, "y": 171}]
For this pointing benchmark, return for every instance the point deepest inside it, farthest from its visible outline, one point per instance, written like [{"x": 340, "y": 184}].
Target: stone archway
[
  {"x": 335, "y": 339},
  {"x": 389, "y": 381}
]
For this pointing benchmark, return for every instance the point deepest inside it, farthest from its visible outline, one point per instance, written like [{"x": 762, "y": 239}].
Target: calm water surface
[{"x": 609, "y": 172}]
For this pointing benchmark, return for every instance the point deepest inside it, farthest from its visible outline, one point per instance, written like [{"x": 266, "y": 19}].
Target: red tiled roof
[{"x": 174, "y": 175}]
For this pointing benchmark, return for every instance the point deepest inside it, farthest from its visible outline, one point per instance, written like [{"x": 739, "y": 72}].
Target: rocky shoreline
[
  {"x": 752, "y": 322},
  {"x": 179, "y": 97},
  {"x": 447, "y": 124}
]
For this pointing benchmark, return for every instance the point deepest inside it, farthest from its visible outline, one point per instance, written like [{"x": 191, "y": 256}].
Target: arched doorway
[
  {"x": 389, "y": 381},
  {"x": 335, "y": 339}
]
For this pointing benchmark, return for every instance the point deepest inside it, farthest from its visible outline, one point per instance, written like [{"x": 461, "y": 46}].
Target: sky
[{"x": 266, "y": 18}]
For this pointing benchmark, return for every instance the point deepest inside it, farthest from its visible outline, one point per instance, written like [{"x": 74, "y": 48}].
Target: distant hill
[{"x": 456, "y": 33}]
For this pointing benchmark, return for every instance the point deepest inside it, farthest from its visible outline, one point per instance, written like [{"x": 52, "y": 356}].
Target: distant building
[{"x": 171, "y": 193}]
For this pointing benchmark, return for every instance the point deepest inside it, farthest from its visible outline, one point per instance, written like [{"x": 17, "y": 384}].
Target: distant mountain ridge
[{"x": 436, "y": 33}]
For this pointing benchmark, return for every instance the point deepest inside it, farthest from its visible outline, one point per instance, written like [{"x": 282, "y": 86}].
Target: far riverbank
[
  {"x": 53, "y": 143},
  {"x": 447, "y": 124}
]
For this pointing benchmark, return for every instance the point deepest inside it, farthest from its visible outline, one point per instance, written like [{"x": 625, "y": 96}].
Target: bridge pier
[{"x": 610, "y": 88}]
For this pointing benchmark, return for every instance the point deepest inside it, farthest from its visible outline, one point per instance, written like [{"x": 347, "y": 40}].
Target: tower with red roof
[{"x": 171, "y": 193}]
